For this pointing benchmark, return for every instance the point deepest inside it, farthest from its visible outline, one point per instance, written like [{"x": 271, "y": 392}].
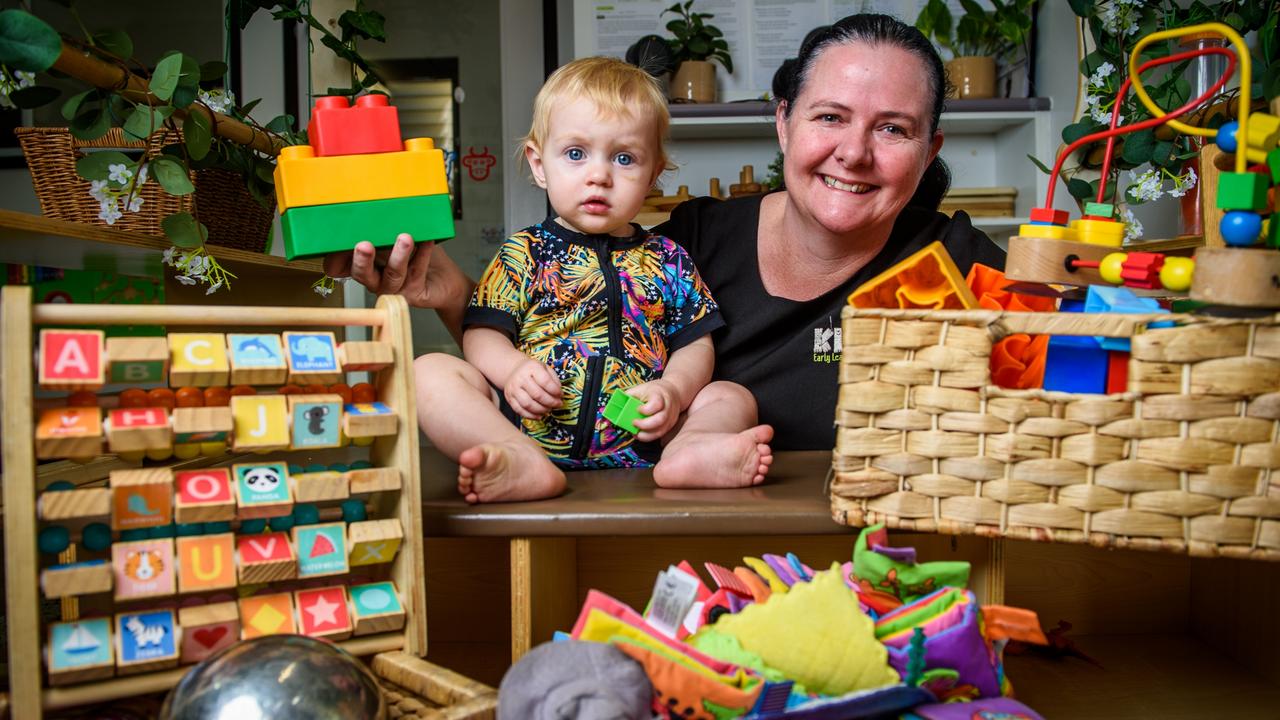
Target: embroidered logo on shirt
[{"x": 827, "y": 343}]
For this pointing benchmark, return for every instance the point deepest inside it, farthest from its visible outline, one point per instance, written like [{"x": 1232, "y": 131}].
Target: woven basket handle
[{"x": 116, "y": 140}]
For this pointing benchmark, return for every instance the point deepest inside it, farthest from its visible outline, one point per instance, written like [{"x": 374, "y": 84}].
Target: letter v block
[
  {"x": 206, "y": 563},
  {"x": 261, "y": 422},
  {"x": 265, "y": 557},
  {"x": 72, "y": 359}
]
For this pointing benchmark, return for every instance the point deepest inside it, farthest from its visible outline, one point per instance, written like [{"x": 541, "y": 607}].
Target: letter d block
[
  {"x": 138, "y": 360},
  {"x": 198, "y": 359},
  {"x": 261, "y": 422},
  {"x": 72, "y": 359},
  {"x": 206, "y": 562}
]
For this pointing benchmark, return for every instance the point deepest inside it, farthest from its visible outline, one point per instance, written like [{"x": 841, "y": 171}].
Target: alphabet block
[
  {"x": 365, "y": 355},
  {"x": 319, "y": 487},
  {"x": 323, "y": 229},
  {"x": 375, "y": 541},
  {"x": 204, "y": 496},
  {"x": 265, "y": 557},
  {"x": 371, "y": 480},
  {"x": 138, "y": 429},
  {"x": 266, "y": 615},
  {"x": 202, "y": 424},
  {"x": 143, "y": 569},
  {"x": 69, "y": 432},
  {"x": 324, "y": 613},
  {"x": 81, "y": 578},
  {"x": 336, "y": 128},
  {"x": 198, "y": 359},
  {"x": 376, "y": 608},
  {"x": 312, "y": 357},
  {"x": 322, "y": 549},
  {"x": 369, "y": 420},
  {"x": 72, "y": 359},
  {"x": 146, "y": 641},
  {"x": 138, "y": 360},
  {"x": 317, "y": 421},
  {"x": 256, "y": 359},
  {"x": 80, "y": 650},
  {"x": 262, "y": 490},
  {"x": 79, "y": 504},
  {"x": 207, "y": 629},
  {"x": 303, "y": 179},
  {"x": 261, "y": 422},
  {"x": 206, "y": 562},
  {"x": 141, "y": 498}
]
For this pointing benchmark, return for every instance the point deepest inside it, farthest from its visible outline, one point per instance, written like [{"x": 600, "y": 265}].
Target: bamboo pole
[{"x": 91, "y": 69}]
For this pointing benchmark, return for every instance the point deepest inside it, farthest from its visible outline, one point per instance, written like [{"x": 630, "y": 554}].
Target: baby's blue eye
[
  {"x": 575, "y": 154},
  {"x": 625, "y": 159}
]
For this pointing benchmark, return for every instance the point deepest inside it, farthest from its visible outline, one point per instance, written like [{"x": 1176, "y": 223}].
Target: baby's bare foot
[
  {"x": 716, "y": 460},
  {"x": 507, "y": 472}
]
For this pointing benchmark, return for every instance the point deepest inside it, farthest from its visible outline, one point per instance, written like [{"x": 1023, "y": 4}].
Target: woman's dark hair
[{"x": 874, "y": 29}]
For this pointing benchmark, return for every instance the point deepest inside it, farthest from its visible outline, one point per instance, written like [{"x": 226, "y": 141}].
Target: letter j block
[
  {"x": 72, "y": 359},
  {"x": 261, "y": 422}
]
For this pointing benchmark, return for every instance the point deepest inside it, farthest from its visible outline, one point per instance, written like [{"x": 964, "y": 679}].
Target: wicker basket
[
  {"x": 1182, "y": 462},
  {"x": 415, "y": 688},
  {"x": 233, "y": 217}
]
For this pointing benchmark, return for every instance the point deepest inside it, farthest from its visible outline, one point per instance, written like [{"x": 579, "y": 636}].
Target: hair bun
[{"x": 784, "y": 79}]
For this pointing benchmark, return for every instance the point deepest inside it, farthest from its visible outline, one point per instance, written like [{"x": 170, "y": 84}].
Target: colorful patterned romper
[{"x": 605, "y": 313}]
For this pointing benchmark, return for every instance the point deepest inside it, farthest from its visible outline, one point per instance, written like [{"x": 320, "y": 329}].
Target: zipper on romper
[
  {"x": 595, "y": 371},
  {"x": 587, "y": 408}
]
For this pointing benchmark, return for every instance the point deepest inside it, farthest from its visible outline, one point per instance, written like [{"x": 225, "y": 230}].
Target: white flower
[
  {"x": 110, "y": 213},
  {"x": 167, "y": 258},
  {"x": 218, "y": 100},
  {"x": 322, "y": 290},
  {"x": 186, "y": 280},
  {"x": 1147, "y": 186},
  {"x": 135, "y": 203},
  {"x": 142, "y": 175},
  {"x": 98, "y": 190},
  {"x": 1100, "y": 116},
  {"x": 119, "y": 173},
  {"x": 213, "y": 288},
  {"x": 1132, "y": 226},
  {"x": 197, "y": 265}
]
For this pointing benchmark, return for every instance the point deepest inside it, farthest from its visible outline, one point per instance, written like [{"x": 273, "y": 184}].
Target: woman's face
[{"x": 857, "y": 139}]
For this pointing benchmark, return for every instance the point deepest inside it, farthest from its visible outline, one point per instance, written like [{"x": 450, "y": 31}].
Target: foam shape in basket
[{"x": 928, "y": 279}]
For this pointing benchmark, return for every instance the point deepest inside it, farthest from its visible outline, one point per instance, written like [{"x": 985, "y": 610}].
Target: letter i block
[
  {"x": 266, "y": 615},
  {"x": 261, "y": 422},
  {"x": 72, "y": 359},
  {"x": 146, "y": 641},
  {"x": 204, "y": 496},
  {"x": 206, "y": 562},
  {"x": 313, "y": 358},
  {"x": 202, "y": 424},
  {"x": 141, "y": 498},
  {"x": 198, "y": 359},
  {"x": 80, "y": 651},
  {"x": 207, "y": 629},
  {"x": 369, "y": 420},
  {"x": 375, "y": 541},
  {"x": 322, "y": 549},
  {"x": 365, "y": 355},
  {"x": 265, "y": 557},
  {"x": 376, "y": 608},
  {"x": 928, "y": 279},
  {"x": 138, "y": 429},
  {"x": 262, "y": 490},
  {"x": 138, "y": 360},
  {"x": 372, "y": 126},
  {"x": 324, "y": 613},
  {"x": 256, "y": 359},
  {"x": 316, "y": 421},
  {"x": 69, "y": 432},
  {"x": 143, "y": 569},
  {"x": 82, "y": 578}
]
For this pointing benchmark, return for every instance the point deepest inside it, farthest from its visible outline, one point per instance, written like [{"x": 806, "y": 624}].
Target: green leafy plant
[
  {"x": 694, "y": 39},
  {"x": 1001, "y": 32},
  {"x": 175, "y": 92}
]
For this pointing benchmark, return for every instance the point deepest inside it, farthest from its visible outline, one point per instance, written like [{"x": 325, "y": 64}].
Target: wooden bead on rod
[{"x": 76, "y": 314}]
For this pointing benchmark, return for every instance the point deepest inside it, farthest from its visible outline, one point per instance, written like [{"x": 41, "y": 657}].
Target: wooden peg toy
[
  {"x": 81, "y": 578},
  {"x": 713, "y": 189},
  {"x": 1046, "y": 260},
  {"x": 138, "y": 429},
  {"x": 369, "y": 419},
  {"x": 322, "y": 549},
  {"x": 206, "y": 562},
  {"x": 198, "y": 359},
  {"x": 69, "y": 433},
  {"x": 143, "y": 569},
  {"x": 320, "y": 486},
  {"x": 312, "y": 358},
  {"x": 202, "y": 424},
  {"x": 324, "y": 612},
  {"x": 371, "y": 480},
  {"x": 267, "y": 615},
  {"x": 256, "y": 359},
  {"x": 316, "y": 421},
  {"x": 204, "y": 496},
  {"x": 262, "y": 490},
  {"x": 376, "y": 608},
  {"x": 355, "y": 355},
  {"x": 261, "y": 422},
  {"x": 375, "y": 541},
  {"x": 746, "y": 184},
  {"x": 72, "y": 359},
  {"x": 78, "y": 504},
  {"x": 265, "y": 557},
  {"x": 80, "y": 650},
  {"x": 138, "y": 360},
  {"x": 141, "y": 498},
  {"x": 207, "y": 629},
  {"x": 146, "y": 641}
]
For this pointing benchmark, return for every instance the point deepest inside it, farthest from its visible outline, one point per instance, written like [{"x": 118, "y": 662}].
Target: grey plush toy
[{"x": 575, "y": 680}]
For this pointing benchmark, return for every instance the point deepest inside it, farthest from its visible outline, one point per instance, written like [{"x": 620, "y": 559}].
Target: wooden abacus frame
[{"x": 389, "y": 321}]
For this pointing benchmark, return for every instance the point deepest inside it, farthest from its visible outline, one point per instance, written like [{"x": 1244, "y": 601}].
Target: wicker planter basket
[
  {"x": 1182, "y": 462},
  {"x": 415, "y": 688},
  {"x": 233, "y": 217}
]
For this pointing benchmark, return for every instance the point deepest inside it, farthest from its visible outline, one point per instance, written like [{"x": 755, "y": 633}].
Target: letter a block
[
  {"x": 256, "y": 359},
  {"x": 313, "y": 358},
  {"x": 69, "y": 432},
  {"x": 265, "y": 557},
  {"x": 138, "y": 429},
  {"x": 206, "y": 562},
  {"x": 72, "y": 359},
  {"x": 267, "y": 615},
  {"x": 146, "y": 641},
  {"x": 204, "y": 496},
  {"x": 198, "y": 359},
  {"x": 376, "y": 608},
  {"x": 262, "y": 490},
  {"x": 138, "y": 360},
  {"x": 375, "y": 541},
  {"x": 141, "y": 498},
  {"x": 317, "y": 421},
  {"x": 207, "y": 629},
  {"x": 261, "y": 422},
  {"x": 144, "y": 569},
  {"x": 324, "y": 613},
  {"x": 80, "y": 651}
]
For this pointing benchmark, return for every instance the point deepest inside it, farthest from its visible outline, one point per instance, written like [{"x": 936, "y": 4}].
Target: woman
[{"x": 857, "y": 121}]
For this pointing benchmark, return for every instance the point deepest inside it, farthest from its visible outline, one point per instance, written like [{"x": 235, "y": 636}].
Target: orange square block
[
  {"x": 69, "y": 432},
  {"x": 928, "y": 280},
  {"x": 267, "y": 615}
]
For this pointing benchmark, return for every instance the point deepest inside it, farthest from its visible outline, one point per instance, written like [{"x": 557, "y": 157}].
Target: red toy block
[
  {"x": 1051, "y": 216},
  {"x": 1142, "y": 270},
  {"x": 1117, "y": 371},
  {"x": 372, "y": 126}
]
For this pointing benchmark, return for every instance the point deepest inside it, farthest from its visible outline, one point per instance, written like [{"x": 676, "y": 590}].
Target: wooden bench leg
[
  {"x": 988, "y": 576},
  {"x": 544, "y": 590}
]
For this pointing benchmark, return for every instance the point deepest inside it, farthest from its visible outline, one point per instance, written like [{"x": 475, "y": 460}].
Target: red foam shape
[
  {"x": 1117, "y": 371},
  {"x": 372, "y": 126},
  {"x": 1050, "y": 215}
]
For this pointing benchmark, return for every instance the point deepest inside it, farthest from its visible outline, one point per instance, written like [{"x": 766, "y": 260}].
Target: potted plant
[
  {"x": 981, "y": 39},
  {"x": 693, "y": 46}
]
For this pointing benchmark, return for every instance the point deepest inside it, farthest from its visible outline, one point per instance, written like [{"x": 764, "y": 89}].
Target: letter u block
[{"x": 206, "y": 562}]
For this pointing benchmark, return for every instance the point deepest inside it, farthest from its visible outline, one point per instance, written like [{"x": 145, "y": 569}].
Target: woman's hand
[
  {"x": 406, "y": 269},
  {"x": 532, "y": 389},
  {"x": 662, "y": 406}
]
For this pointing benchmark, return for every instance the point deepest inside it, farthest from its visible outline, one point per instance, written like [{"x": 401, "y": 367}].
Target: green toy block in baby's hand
[{"x": 623, "y": 410}]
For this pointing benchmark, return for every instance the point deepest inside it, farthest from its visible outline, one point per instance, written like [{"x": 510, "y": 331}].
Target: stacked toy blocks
[{"x": 356, "y": 181}]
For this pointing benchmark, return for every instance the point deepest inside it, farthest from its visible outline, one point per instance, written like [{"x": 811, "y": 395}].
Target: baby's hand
[
  {"x": 661, "y": 409},
  {"x": 532, "y": 389}
]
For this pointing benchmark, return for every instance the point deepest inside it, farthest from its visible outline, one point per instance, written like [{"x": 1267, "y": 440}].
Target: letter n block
[
  {"x": 146, "y": 641},
  {"x": 138, "y": 429},
  {"x": 206, "y": 562},
  {"x": 256, "y": 359},
  {"x": 316, "y": 420},
  {"x": 141, "y": 498},
  {"x": 375, "y": 541},
  {"x": 72, "y": 359},
  {"x": 324, "y": 613},
  {"x": 198, "y": 359},
  {"x": 143, "y": 569},
  {"x": 207, "y": 629},
  {"x": 266, "y": 615},
  {"x": 80, "y": 651},
  {"x": 376, "y": 608},
  {"x": 204, "y": 496},
  {"x": 138, "y": 360},
  {"x": 265, "y": 557},
  {"x": 313, "y": 358},
  {"x": 261, "y": 422},
  {"x": 69, "y": 432}
]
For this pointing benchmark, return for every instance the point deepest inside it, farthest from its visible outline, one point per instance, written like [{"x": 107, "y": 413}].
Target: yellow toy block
[
  {"x": 1264, "y": 132},
  {"x": 1048, "y": 232},
  {"x": 198, "y": 359},
  {"x": 302, "y": 179},
  {"x": 1099, "y": 232},
  {"x": 928, "y": 279},
  {"x": 374, "y": 541},
  {"x": 261, "y": 422}
]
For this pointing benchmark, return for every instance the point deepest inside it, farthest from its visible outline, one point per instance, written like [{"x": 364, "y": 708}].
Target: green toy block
[
  {"x": 315, "y": 230},
  {"x": 1242, "y": 191},
  {"x": 1273, "y": 162},
  {"x": 1102, "y": 210},
  {"x": 623, "y": 410}
]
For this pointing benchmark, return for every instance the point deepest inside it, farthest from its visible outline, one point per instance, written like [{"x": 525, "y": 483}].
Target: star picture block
[{"x": 323, "y": 612}]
